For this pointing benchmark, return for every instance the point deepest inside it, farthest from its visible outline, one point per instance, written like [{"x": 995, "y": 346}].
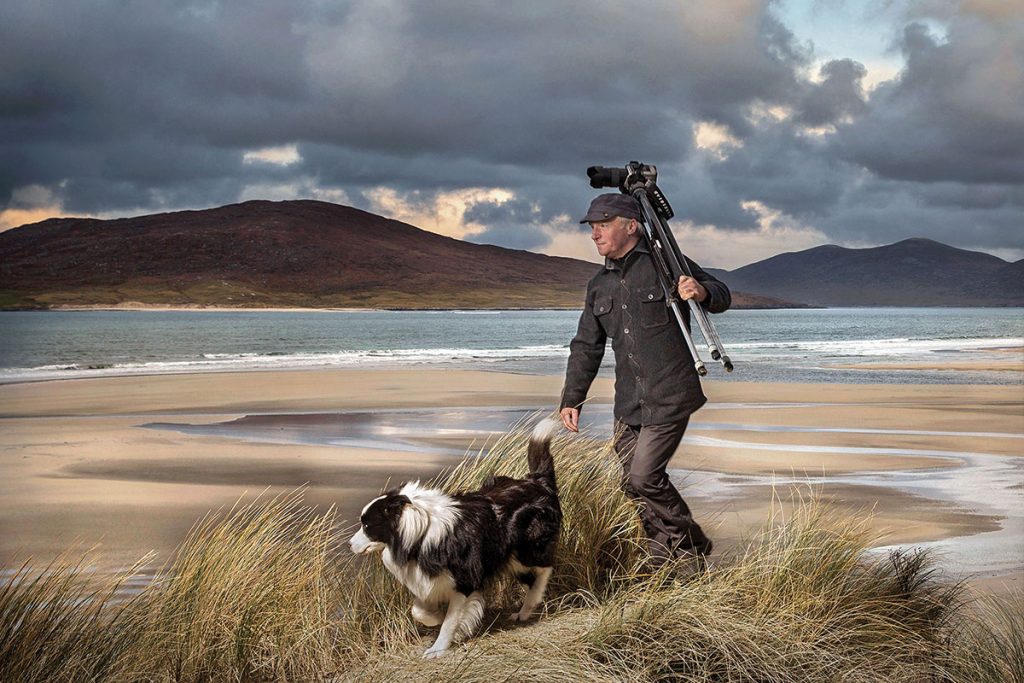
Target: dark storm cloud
[
  {"x": 866, "y": 216},
  {"x": 785, "y": 170},
  {"x": 530, "y": 84},
  {"x": 839, "y": 94},
  {"x": 956, "y": 112},
  {"x": 536, "y": 82},
  {"x": 124, "y": 106}
]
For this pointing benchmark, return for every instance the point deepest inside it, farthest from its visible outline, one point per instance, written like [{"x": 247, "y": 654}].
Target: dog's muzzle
[{"x": 361, "y": 544}]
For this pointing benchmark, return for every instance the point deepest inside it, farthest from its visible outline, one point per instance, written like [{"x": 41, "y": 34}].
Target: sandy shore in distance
[
  {"x": 1012, "y": 364},
  {"x": 139, "y": 306},
  {"x": 78, "y": 468}
]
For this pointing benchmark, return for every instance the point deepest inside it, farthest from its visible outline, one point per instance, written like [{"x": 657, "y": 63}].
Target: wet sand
[
  {"x": 1015, "y": 363},
  {"x": 130, "y": 463}
]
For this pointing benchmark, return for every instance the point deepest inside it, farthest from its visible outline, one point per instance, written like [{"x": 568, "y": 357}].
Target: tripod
[{"x": 639, "y": 181}]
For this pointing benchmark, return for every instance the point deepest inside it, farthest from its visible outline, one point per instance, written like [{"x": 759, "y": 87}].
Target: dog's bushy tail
[{"x": 542, "y": 463}]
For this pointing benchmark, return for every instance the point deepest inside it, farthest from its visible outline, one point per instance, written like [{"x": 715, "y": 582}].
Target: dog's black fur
[{"x": 446, "y": 548}]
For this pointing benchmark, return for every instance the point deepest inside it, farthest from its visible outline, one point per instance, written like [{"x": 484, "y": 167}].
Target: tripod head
[{"x": 635, "y": 177}]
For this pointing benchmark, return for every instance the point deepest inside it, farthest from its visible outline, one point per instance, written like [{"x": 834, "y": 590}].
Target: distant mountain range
[
  {"x": 316, "y": 254},
  {"x": 914, "y": 272}
]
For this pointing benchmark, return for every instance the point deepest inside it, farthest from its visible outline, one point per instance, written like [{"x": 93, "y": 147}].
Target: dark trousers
[{"x": 645, "y": 452}]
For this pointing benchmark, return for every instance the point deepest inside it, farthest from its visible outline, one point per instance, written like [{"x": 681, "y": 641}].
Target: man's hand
[
  {"x": 691, "y": 289},
  {"x": 571, "y": 418}
]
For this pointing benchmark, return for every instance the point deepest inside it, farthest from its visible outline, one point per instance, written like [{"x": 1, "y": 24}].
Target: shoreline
[
  {"x": 1000, "y": 364},
  {"x": 139, "y": 306},
  {"x": 105, "y": 460},
  {"x": 189, "y": 308},
  {"x": 199, "y": 308}
]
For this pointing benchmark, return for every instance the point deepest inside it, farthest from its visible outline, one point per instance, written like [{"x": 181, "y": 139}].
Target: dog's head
[{"x": 379, "y": 523}]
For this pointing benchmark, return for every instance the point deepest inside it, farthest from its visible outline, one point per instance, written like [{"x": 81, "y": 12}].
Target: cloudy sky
[{"x": 776, "y": 126}]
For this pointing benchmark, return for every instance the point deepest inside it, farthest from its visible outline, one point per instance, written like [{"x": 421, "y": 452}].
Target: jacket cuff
[{"x": 568, "y": 402}]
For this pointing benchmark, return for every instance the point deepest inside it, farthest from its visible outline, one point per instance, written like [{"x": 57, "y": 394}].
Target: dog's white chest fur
[{"x": 431, "y": 590}]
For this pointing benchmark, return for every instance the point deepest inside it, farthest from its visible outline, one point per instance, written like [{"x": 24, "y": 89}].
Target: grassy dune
[{"x": 266, "y": 592}]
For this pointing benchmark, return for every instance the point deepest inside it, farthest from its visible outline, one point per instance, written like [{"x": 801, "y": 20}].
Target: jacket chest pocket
[
  {"x": 603, "y": 309},
  {"x": 652, "y": 306}
]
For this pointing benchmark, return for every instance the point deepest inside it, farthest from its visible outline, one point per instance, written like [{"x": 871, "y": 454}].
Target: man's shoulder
[{"x": 600, "y": 274}]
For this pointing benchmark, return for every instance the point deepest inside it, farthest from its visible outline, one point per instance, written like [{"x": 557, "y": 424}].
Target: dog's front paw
[
  {"x": 433, "y": 652},
  {"x": 521, "y": 616}
]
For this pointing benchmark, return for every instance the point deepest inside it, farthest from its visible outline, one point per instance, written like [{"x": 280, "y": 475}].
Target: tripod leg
[
  {"x": 726, "y": 362},
  {"x": 697, "y": 362},
  {"x": 710, "y": 334},
  {"x": 707, "y": 328}
]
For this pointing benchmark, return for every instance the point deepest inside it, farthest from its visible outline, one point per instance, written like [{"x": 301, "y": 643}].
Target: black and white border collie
[{"x": 445, "y": 548}]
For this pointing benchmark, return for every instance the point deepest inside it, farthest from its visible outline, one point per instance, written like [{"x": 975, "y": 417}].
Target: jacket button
[
  {"x": 626, "y": 330},
  {"x": 601, "y": 309},
  {"x": 624, "y": 305},
  {"x": 650, "y": 296}
]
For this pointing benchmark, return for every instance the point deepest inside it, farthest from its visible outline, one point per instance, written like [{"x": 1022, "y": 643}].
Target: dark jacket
[{"x": 655, "y": 381}]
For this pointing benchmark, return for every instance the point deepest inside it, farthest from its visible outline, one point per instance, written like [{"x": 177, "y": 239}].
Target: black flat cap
[{"x": 607, "y": 206}]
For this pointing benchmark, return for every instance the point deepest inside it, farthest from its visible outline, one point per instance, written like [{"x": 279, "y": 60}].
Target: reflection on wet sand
[{"x": 983, "y": 485}]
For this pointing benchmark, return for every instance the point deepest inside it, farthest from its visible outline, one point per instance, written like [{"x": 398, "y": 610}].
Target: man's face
[{"x": 615, "y": 236}]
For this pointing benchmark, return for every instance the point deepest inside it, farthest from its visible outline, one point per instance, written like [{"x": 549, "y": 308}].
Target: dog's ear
[{"x": 398, "y": 502}]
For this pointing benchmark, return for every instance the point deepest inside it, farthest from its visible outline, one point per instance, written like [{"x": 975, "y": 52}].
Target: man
[{"x": 656, "y": 384}]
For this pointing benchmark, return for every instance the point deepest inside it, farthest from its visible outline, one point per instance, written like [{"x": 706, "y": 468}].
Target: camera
[
  {"x": 631, "y": 179},
  {"x": 626, "y": 179}
]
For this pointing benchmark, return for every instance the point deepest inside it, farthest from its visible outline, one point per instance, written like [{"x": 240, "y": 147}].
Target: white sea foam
[
  {"x": 220, "y": 362},
  {"x": 873, "y": 347}
]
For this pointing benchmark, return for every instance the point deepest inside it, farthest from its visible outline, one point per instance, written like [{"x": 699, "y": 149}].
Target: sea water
[{"x": 808, "y": 345}]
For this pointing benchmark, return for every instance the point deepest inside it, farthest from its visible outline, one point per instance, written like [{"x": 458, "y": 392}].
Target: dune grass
[{"x": 267, "y": 592}]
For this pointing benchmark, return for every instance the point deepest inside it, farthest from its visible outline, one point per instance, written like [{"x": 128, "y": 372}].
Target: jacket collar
[{"x": 617, "y": 264}]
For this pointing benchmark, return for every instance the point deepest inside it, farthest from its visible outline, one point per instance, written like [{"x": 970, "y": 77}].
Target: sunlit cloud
[
  {"x": 715, "y": 139},
  {"x": 760, "y": 113},
  {"x": 879, "y": 72},
  {"x": 567, "y": 239},
  {"x": 12, "y": 218},
  {"x": 443, "y": 212},
  {"x": 284, "y": 155},
  {"x": 816, "y": 131},
  {"x": 993, "y": 9},
  {"x": 30, "y": 204}
]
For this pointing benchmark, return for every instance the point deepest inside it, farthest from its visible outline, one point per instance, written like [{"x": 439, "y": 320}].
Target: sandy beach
[{"x": 128, "y": 464}]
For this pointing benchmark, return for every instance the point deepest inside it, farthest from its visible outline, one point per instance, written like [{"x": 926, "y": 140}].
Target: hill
[
  {"x": 913, "y": 272},
  {"x": 291, "y": 254}
]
